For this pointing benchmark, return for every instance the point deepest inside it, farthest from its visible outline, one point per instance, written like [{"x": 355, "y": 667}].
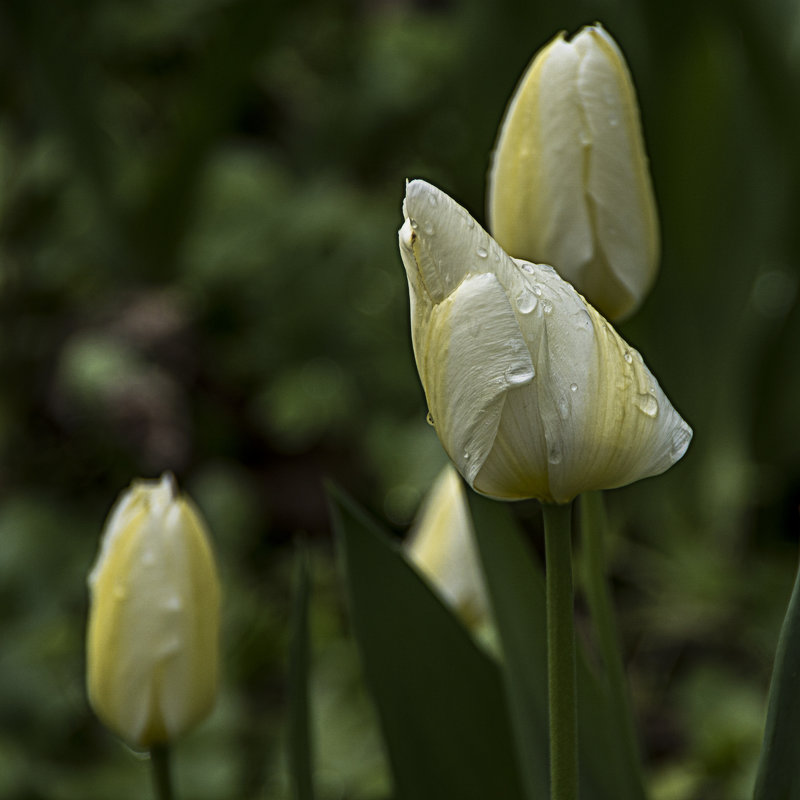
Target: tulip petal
[
  {"x": 473, "y": 354},
  {"x": 154, "y": 617},
  {"x": 532, "y": 392},
  {"x": 569, "y": 183},
  {"x": 442, "y": 547},
  {"x": 618, "y": 188}
]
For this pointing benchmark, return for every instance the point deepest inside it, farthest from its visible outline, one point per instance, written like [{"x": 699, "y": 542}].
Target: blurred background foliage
[{"x": 199, "y": 272}]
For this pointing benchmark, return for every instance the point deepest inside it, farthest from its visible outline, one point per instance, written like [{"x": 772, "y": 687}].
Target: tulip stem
[
  {"x": 561, "y": 652},
  {"x": 162, "y": 779},
  {"x": 594, "y": 529}
]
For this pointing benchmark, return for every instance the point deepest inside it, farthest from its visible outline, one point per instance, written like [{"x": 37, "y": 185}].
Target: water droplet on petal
[
  {"x": 429, "y": 419},
  {"x": 428, "y": 228},
  {"x": 519, "y": 373},
  {"x": 467, "y": 455},
  {"x": 613, "y": 121},
  {"x": 527, "y": 267},
  {"x": 573, "y": 387},
  {"x": 470, "y": 222},
  {"x": 628, "y": 357},
  {"x": 432, "y": 199},
  {"x": 414, "y": 224},
  {"x": 482, "y": 252},
  {"x": 173, "y": 604},
  {"x": 547, "y": 307},
  {"x": 537, "y": 290},
  {"x": 563, "y": 407},
  {"x": 554, "y": 454},
  {"x": 526, "y": 301},
  {"x": 647, "y": 404}
]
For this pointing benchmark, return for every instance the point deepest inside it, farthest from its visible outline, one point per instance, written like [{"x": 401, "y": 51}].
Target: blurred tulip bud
[
  {"x": 152, "y": 644},
  {"x": 442, "y": 545},
  {"x": 531, "y": 391},
  {"x": 569, "y": 183}
]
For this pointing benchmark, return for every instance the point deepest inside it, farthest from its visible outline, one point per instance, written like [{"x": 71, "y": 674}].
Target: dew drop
[
  {"x": 647, "y": 404},
  {"x": 554, "y": 454},
  {"x": 173, "y": 604},
  {"x": 432, "y": 200},
  {"x": 470, "y": 222},
  {"x": 414, "y": 224},
  {"x": 519, "y": 373},
  {"x": 429, "y": 419},
  {"x": 628, "y": 357},
  {"x": 613, "y": 121},
  {"x": 526, "y": 301},
  {"x": 467, "y": 455},
  {"x": 482, "y": 252},
  {"x": 428, "y": 228},
  {"x": 563, "y": 407},
  {"x": 573, "y": 387},
  {"x": 527, "y": 267},
  {"x": 537, "y": 290},
  {"x": 547, "y": 307}
]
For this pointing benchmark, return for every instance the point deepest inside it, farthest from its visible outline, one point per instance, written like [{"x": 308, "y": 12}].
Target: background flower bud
[
  {"x": 152, "y": 643},
  {"x": 569, "y": 183},
  {"x": 442, "y": 546},
  {"x": 531, "y": 391}
]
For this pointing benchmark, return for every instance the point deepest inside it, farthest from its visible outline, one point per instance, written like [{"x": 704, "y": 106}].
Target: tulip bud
[
  {"x": 531, "y": 391},
  {"x": 442, "y": 546},
  {"x": 569, "y": 183},
  {"x": 152, "y": 643}
]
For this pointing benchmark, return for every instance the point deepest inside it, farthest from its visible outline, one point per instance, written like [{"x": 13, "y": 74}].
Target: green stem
[
  {"x": 594, "y": 528},
  {"x": 561, "y": 652},
  {"x": 162, "y": 781}
]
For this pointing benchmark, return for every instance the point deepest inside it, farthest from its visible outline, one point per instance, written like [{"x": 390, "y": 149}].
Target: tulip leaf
[
  {"x": 779, "y": 765},
  {"x": 439, "y": 696},
  {"x": 516, "y": 586},
  {"x": 300, "y": 742}
]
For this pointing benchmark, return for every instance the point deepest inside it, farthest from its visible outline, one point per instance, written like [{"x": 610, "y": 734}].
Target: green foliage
[{"x": 440, "y": 698}]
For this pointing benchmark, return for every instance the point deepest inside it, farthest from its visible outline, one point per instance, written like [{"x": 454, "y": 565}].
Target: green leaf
[
  {"x": 516, "y": 586},
  {"x": 439, "y": 697},
  {"x": 779, "y": 765},
  {"x": 300, "y": 744}
]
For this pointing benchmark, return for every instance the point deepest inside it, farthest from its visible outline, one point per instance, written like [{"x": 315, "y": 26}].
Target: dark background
[{"x": 199, "y": 272}]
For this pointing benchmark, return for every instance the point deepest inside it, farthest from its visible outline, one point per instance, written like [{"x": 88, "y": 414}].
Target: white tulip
[
  {"x": 569, "y": 183},
  {"x": 442, "y": 546},
  {"x": 152, "y": 643},
  {"x": 531, "y": 391}
]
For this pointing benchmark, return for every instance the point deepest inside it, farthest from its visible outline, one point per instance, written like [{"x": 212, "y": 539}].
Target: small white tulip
[
  {"x": 152, "y": 642},
  {"x": 442, "y": 545},
  {"x": 531, "y": 391},
  {"x": 569, "y": 183}
]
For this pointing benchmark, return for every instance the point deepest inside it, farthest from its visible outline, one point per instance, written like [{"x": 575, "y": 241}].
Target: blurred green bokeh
[{"x": 198, "y": 272}]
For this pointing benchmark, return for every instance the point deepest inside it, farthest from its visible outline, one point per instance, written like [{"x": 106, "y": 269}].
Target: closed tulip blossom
[
  {"x": 532, "y": 392},
  {"x": 152, "y": 643},
  {"x": 569, "y": 183},
  {"x": 442, "y": 546}
]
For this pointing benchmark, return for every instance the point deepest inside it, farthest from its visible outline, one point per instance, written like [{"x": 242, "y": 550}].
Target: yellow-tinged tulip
[
  {"x": 152, "y": 643},
  {"x": 531, "y": 391},
  {"x": 442, "y": 546},
  {"x": 569, "y": 183}
]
